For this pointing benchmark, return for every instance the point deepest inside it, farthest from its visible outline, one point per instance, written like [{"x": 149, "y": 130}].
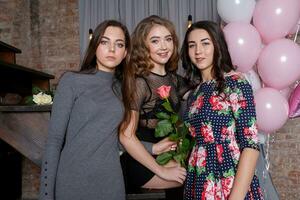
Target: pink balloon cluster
[{"x": 263, "y": 44}]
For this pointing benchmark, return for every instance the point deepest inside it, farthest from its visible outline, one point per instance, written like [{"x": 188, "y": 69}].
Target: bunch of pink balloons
[{"x": 263, "y": 44}]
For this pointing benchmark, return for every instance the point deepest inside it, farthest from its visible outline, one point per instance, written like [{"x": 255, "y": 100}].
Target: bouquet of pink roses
[{"x": 171, "y": 125}]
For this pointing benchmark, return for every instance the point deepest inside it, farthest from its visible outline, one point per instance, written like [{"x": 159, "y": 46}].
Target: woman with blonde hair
[{"x": 153, "y": 63}]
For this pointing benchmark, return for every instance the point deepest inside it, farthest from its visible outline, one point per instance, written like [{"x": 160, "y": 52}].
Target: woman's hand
[
  {"x": 174, "y": 173},
  {"x": 164, "y": 145}
]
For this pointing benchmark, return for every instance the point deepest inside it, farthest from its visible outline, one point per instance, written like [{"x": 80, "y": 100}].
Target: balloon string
[
  {"x": 267, "y": 164},
  {"x": 296, "y": 34},
  {"x": 267, "y": 152}
]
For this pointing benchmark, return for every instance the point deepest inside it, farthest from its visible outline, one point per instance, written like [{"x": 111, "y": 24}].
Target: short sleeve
[
  {"x": 242, "y": 103},
  {"x": 141, "y": 94}
]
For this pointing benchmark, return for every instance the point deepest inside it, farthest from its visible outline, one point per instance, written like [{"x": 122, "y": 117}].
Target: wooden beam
[{"x": 26, "y": 132}]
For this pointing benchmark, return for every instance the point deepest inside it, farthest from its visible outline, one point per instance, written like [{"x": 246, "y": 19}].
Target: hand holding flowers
[{"x": 171, "y": 125}]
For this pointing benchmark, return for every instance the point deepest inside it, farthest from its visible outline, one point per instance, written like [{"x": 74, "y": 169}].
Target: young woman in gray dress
[{"x": 81, "y": 160}]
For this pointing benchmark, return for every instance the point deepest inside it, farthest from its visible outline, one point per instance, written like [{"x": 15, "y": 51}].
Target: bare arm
[
  {"x": 244, "y": 175},
  {"x": 247, "y": 137},
  {"x": 137, "y": 150}
]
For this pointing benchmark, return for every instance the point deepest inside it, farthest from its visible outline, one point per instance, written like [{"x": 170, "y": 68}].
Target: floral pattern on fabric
[{"x": 223, "y": 125}]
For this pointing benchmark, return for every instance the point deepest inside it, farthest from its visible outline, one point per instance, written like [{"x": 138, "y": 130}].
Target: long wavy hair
[
  {"x": 140, "y": 63},
  {"x": 221, "y": 57},
  {"x": 89, "y": 63}
]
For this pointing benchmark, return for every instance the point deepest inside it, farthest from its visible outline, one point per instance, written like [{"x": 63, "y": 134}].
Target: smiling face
[
  {"x": 160, "y": 44},
  {"x": 111, "y": 49},
  {"x": 201, "y": 50}
]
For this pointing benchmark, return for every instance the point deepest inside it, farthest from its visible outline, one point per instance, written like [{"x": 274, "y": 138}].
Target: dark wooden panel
[
  {"x": 8, "y": 57},
  {"x": 26, "y": 132},
  {"x": 26, "y": 108},
  {"x": 6, "y": 47}
]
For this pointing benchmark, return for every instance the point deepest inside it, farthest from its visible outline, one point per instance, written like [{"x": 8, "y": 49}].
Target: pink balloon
[
  {"x": 294, "y": 102},
  {"x": 275, "y": 18},
  {"x": 253, "y": 79},
  {"x": 279, "y": 63},
  {"x": 272, "y": 109},
  {"x": 286, "y": 92},
  {"x": 244, "y": 44}
]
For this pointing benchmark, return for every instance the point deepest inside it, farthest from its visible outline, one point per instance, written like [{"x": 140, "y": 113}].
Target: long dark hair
[
  {"x": 89, "y": 63},
  {"x": 140, "y": 62},
  {"x": 221, "y": 58}
]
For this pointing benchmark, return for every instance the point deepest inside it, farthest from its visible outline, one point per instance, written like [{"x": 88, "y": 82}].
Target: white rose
[{"x": 42, "y": 99}]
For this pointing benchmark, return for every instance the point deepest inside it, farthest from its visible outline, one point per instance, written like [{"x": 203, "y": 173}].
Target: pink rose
[{"x": 164, "y": 91}]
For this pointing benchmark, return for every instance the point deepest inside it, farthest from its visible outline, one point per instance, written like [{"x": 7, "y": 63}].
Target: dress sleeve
[
  {"x": 141, "y": 94},
  {"x": 242, "y": 103},
  {"x": 60, "y": 114}
]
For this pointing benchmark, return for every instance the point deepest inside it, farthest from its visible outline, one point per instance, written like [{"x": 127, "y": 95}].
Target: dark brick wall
[{"x": 47, "y": 32}]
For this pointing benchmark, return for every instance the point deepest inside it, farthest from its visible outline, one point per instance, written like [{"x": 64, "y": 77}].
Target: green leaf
[
  {"x": 185, "y": 145},
  {"x": 180, "y": 158},
  {"x": 174, "y": 136},
  {"x": 174, "y": 118},
  {"x": 29, "y": 100},
  {"x": 183, "y": 130},
  {"x": 168, "y": 106},
  {"x": 164, "y": 158},
  {"x": 36, "y": 90},
  {"x": 162, "y": 115},
  {"x": 163, "y": 128}
]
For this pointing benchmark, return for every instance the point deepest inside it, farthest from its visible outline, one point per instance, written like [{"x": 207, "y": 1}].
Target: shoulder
[
  {"x": 70, "y": 76},
  {"x": 234, "y": 78},
  {"x": 73, "y": 80},
  {"x": 141, "y": 80},
  {"x": 67, "y": 79}
]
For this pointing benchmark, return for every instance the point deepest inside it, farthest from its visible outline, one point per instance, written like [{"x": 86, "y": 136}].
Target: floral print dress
[{"x": 223, "y": 125}]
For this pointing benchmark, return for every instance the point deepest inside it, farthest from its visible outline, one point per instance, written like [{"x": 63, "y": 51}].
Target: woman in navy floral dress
[{"x": 221, "y": 116}]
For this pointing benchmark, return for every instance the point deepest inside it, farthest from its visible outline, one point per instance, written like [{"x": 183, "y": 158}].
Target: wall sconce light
[
  {"x": 90, "y": 33},
  {"x": 190, "y": 21}
]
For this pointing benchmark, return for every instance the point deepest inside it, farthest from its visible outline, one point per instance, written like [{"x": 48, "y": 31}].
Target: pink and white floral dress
[{"x": 223, "y": 125}]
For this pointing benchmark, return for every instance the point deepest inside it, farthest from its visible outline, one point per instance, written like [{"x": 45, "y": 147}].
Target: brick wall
[{"x": 47, "y": 32}]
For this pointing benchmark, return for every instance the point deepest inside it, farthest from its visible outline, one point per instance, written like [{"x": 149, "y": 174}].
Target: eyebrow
[
  {"x": 205, "y": 39},
  {"x": 157, "y": 37},
  {"x": 192, "y": 41},
  {"x": 117, "y": 40}
]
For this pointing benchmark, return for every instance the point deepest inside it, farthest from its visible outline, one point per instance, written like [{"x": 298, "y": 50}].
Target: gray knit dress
[{"x": 81, "y": 160}]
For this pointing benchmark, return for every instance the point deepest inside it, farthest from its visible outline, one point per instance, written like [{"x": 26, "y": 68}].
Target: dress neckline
[{"x": 159, "y": 74}]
